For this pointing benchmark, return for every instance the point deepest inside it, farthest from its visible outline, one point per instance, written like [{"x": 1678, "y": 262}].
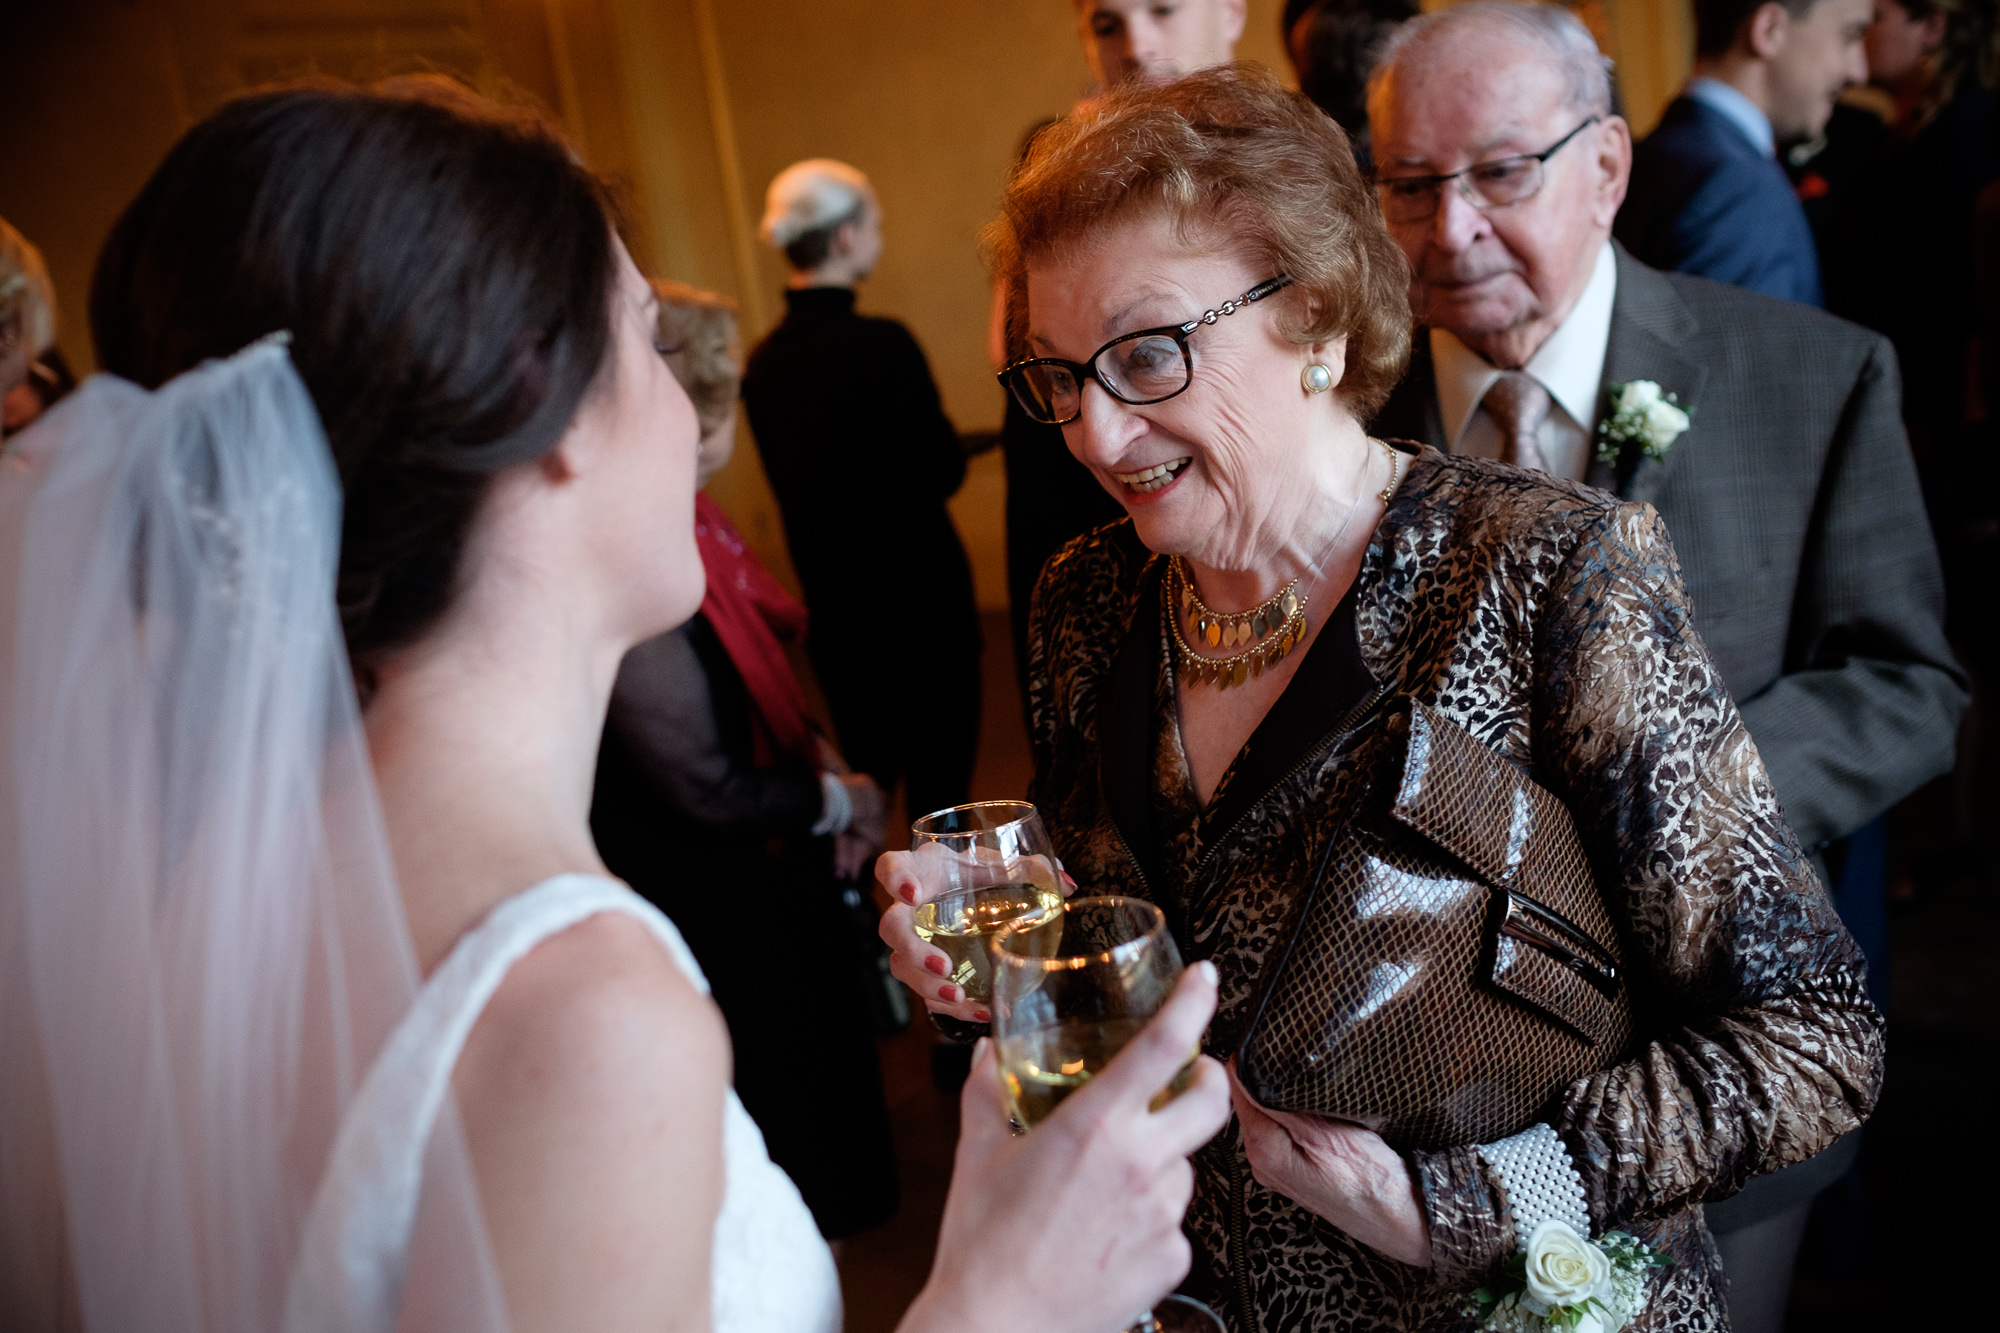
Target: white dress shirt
[{"x": 1570, "y": 365}]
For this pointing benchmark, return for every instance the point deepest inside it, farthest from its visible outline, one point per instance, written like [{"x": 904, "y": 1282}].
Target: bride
[{"x": 317, "y": 1010}]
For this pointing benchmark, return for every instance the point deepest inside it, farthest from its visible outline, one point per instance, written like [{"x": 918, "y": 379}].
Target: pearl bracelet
[{"x": 1537, "y": 1181}]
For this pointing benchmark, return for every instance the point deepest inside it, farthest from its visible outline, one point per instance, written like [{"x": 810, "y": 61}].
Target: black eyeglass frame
[
  {"x": 1383, "y": 184},
  {"x": 1087, "y": 370}
]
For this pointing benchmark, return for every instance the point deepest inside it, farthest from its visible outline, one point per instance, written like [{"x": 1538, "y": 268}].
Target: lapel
[{"x": 1650, "y": 324}]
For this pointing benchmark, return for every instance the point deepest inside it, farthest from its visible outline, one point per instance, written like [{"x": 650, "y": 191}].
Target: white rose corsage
[
  {"x": 1641, "y": 414},
  {"x": 1562, "y": 1281}
]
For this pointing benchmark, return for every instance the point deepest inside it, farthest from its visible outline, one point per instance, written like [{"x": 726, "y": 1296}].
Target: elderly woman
[{"x": 1207, "y": 301}]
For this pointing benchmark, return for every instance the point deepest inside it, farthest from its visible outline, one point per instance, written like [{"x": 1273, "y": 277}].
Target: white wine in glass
[
  {"x": 960, "y": 924},
  {"x": 1041, "y": 1067},
  {"x": 983, "y": 866},
  {"x": 1066, "y": 1001}
]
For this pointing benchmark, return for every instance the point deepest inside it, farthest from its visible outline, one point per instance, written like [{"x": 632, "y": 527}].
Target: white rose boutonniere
[
  {"x": 1564, "y": 1268},
  {"x": 1564, "y": 1281},
  {"x": 1641, "y": 414}
]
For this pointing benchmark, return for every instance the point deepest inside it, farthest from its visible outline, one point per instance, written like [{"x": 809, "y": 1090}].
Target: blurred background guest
[
  {"x": 1708, "y": 195},
  {"x": 1893, "y": 204},
  {"x": 1333, "y": 46},
  {"x": 1050, "y": 496},
  {"x": 32, "y": 372},
  {"x": 862, "y": 459},
  {"x": 1145, "y": 41},
  {"x": 1896, "y": 237},
  {"x": 719, "y": 802}
]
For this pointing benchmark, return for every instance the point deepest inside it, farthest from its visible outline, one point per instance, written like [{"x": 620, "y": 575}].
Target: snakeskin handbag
[{"x": 1452, "y": 966}]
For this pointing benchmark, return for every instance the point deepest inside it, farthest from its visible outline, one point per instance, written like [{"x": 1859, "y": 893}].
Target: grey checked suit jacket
[{"x": 1794, "y": 507}]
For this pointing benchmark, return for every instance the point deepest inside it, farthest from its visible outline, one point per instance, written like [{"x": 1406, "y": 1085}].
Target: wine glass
[
  {"x": 1067, "y": 995},
  {"x": 983, "y": 866}
]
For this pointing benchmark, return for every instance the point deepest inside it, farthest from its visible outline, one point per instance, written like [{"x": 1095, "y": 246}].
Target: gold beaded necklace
[{"x": 1273, "y": 628}]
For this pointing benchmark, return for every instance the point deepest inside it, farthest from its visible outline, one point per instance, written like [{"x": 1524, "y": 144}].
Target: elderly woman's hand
[
  {"x": 1343, "y": 1173},
  {"x": 918, "y": 965},
  {"x": 1076, "y": 1226}
]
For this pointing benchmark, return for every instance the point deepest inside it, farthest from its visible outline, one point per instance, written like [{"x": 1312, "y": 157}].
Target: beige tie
[{"x": 1518, "y": 404}]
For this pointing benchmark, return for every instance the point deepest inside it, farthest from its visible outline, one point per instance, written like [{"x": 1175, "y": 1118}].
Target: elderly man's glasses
[
  {"x": 1149, "y": 366},
  {"x": 1509, "y": 180}
]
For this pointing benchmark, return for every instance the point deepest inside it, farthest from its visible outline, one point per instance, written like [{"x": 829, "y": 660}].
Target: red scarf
[{"x": 755, "y": 618}]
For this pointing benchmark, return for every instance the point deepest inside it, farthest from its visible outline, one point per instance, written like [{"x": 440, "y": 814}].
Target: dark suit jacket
[
  {"x": 1794, "y": 507},
  {"x": 1704, "y": 200}
]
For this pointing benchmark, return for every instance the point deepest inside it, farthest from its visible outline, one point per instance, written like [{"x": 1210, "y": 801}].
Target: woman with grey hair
[{"x": 862, "y": 459}]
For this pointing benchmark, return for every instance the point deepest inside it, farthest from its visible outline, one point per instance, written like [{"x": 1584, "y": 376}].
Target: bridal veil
[{"x": 202, "y": 947}]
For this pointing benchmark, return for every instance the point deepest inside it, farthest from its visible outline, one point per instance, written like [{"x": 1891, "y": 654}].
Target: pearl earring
[{"x": 1316, "y": 378}]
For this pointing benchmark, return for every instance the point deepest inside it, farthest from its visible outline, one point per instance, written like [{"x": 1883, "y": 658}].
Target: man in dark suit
[
  {"x": 1708, "y": 195},
  {"x": 1788, "y": 487}
]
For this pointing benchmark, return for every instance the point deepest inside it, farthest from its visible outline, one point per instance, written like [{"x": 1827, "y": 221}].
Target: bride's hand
[
  {"x": 919, "y": 966},
  {"x": 1344, "y": 1173},
  {"x": 1075, "y": 1227}
]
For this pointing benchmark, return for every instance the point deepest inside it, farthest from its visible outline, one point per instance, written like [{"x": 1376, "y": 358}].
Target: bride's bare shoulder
[
  {"x": 603, "y": 1000},
  {"x": 592, "y": 1093}
]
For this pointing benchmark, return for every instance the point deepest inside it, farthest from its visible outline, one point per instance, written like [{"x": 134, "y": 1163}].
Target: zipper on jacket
[{"x": 1239, "y": 1246}]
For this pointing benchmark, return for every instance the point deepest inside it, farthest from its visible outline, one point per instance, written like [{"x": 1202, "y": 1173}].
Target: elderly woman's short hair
[
  {"x": 25, "y": 291},
  {"x": 1237, "y": 161},
  {"x": 698, "y": 339},
  {"x": 1586, "y": 70},
  {"x": 807, "y": 205}
]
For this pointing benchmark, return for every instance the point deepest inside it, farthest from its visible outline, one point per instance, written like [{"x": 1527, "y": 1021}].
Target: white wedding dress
[
  {"x": 225, "y": 1090},
  {"x": 771, "y": 1274}
]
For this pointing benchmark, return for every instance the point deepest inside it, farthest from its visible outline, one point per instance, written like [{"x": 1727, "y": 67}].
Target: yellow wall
[{"x": 690, "y": 106}]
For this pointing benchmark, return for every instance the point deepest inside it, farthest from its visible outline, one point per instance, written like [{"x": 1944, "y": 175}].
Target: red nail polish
[
  {"x": 908, "y": 893},
  {"x": 950, "y": 994},
  {"x": 982, "y": 1015},
  {"x": 938, "y": 965}
]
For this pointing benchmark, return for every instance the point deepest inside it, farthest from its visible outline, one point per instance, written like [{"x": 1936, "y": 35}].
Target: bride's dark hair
[{"x": 445, "y": 268}]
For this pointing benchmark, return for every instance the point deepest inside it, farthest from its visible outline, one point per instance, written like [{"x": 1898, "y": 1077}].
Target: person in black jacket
[
  {"x": 862, "y": 459},
  {"x": 718, "y": 801}
]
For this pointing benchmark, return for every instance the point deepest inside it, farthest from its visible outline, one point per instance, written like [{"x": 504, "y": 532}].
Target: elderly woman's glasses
[
  {"x": 1509, "y": 180},
  {"x": 1149, "y": 366}
]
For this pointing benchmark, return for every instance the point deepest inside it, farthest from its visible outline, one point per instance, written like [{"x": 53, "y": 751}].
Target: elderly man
[{"x": 1782, "y": 472}]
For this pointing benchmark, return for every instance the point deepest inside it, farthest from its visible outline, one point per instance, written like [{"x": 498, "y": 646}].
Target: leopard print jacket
[{"x": 1550, "y": 621}]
